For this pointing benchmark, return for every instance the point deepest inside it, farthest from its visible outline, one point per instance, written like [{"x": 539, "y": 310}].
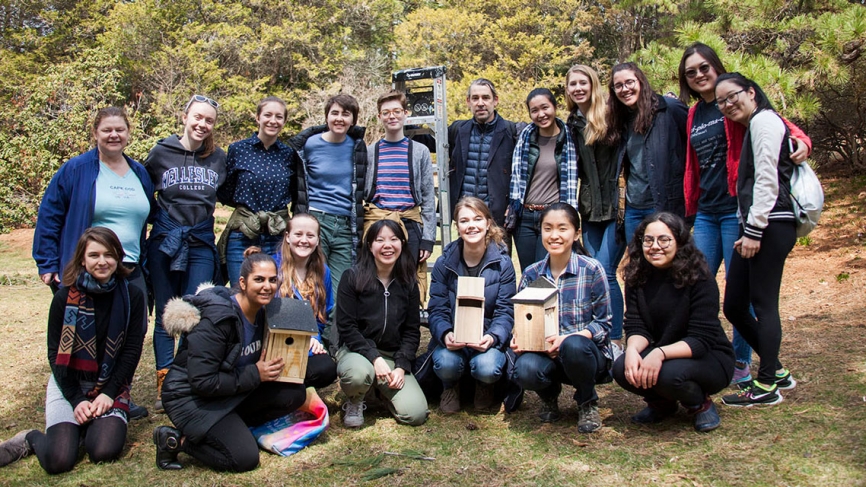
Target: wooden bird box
[
  {"x": 536, "y": 315},
  {"x": 291, "y": 324},
  {"x": 469, "y": 315}
]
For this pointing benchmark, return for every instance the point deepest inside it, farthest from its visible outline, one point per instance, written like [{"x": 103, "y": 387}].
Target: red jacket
[{"x": 734, "y": 133}]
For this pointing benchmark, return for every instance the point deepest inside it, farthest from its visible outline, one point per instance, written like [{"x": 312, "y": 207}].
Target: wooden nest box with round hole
[
  {"x": 291, "y": 325},
  {"x": 536, "y": 315}
]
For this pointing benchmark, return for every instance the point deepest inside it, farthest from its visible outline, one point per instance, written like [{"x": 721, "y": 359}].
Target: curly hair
[{"x": 689, "y": 265}]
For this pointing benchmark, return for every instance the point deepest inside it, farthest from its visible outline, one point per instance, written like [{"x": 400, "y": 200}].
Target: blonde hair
[
  {"x": 596, "y": 119},
  {"x": 312, "y": 288},
  {"x": 494, "y": 231}
]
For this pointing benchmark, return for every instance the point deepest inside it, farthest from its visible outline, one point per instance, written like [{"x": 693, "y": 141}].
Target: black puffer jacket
[{"x": 203, "y": 385}]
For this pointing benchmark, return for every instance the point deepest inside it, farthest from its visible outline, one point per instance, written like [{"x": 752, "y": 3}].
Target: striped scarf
[
  {"x": 77, "y": 349},
  {"x": 567, "y": 166}
]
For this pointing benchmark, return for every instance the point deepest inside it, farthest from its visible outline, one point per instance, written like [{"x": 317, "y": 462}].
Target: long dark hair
[
  {"x": 573, "y": 218},
  {"x": 103, "y": 236},
  {"x": 365, "y": 269},
  {"x": 689, "y": 265},
  {"x": 761, "y": 100},
  {"x": 618, "y": 114},
  {"x": 710, "y": 56}
]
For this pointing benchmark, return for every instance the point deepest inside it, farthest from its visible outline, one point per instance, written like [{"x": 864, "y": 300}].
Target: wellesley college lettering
[{"x": 191, "y": 177}]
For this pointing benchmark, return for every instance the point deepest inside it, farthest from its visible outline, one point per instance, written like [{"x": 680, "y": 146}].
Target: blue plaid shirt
[{"x": 584, "y": 298}]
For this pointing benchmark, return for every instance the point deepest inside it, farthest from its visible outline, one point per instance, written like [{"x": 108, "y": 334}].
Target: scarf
[
  {"x": 567, "y": 166},
  {"x": 77, "y": 350}
]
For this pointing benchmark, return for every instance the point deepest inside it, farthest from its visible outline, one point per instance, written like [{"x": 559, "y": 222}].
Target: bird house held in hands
[
  {"x": 536, "y": 315},
  {"x": 469, "y": 315},
  {"x": 291, "y": 325}
]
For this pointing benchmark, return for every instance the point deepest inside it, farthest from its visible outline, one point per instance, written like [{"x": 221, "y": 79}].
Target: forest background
[{"x": 63, "y": 59}]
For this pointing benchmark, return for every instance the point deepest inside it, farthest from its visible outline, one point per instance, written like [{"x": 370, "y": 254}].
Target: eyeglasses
[
  {"x": 201, "y": 99},
  {"x": 628, "y": 84},
  {"x": 664, "y": 241},
  {"x": 396, "y": 112},
  {"x": 730, "y": 99},
  {"x": 703, "y": 68}
]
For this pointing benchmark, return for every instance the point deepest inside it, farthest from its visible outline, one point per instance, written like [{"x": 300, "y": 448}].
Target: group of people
[{"x": 348, "y": 227}]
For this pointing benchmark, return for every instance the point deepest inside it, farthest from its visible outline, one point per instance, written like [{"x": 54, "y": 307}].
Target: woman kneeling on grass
[
  {"x": 95, "y": 334},
  {"x": 581, "y": 354},
  {"x": 676, "y": 348},
  {"x": 378, "y": 325},
  {"x": 220, "y": 384}
]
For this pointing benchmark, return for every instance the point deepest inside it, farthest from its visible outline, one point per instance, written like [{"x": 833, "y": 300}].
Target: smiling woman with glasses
[
  {"x": 186, "y": 171},
  {"x": 766, "y": 234},
  {"x": 649, "y": 131},
  {"x": 677, "y": 350},
  {"x": 712, "y": 156}
]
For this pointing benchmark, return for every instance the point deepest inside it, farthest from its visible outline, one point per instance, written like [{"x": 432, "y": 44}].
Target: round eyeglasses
[{"x": 663, "y": 241}]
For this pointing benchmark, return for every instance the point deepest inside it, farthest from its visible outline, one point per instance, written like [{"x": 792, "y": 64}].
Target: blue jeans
[
  {"x": 599, "y": 239},
  {"x": 238, "y": 243},
  {"x": 580, "y": 363},
  {"x": 484, "y": 367},
  {"x": 166, "y": 284},
  {"x": 527, "y": 239},
  {"x": 715, "y": 234},
  {"x": 633, "y": 217}
]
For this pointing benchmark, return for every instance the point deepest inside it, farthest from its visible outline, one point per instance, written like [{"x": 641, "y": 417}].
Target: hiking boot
[
  {"x": 167, "y": 441},
  {"x": 484, "y": 399},
  {"x": 785, "y": 380},
  {"x": 160, "y": 378},
  {"x": 549, "y": 412},
  {"x": 136, "y": 411},
  {"x": 353, "y": 413},
  {"x": 15, "y": 448},
  {"x": 754, "y": 394},
  {"x": 449, "y": 401},
  {"x": 655, "y": 412},
  {"x": 742, "y": 375},
  {"x": 706, "y": 417},
  {"x": 588, "y": 419}
]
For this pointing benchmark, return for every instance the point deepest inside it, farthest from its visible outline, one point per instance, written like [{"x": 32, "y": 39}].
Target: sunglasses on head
[{"x": 201, "y": 99}]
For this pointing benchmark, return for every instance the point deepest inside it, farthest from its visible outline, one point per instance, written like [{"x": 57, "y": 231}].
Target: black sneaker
[
  {"x": 785, "y": 380},
  {"x": 655, "y": 412},
  {"x": 753, "y": 394},
  {"x": 549, "y": 412}
]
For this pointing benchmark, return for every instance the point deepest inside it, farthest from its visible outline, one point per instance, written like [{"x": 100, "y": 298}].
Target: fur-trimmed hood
[{"x": 210, "y": 302}]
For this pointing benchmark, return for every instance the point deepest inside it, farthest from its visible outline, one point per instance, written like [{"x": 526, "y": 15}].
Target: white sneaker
[{"x": 353, "y": 414}]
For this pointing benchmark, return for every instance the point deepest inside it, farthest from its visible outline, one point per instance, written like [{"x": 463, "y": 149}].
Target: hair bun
[{"x": 252, "y": 250}]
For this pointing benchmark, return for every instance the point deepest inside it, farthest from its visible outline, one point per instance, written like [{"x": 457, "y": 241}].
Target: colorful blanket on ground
[{"x": 291, "y": 433}]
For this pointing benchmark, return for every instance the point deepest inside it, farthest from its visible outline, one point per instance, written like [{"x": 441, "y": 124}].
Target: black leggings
[
  {"x": 758, "y": 281},
  {"x": 229, "y": 445},
  {"x": 688, "y": 380},
  {"x": 57, "y": 448},
  {"x": 321, "y": 371}
]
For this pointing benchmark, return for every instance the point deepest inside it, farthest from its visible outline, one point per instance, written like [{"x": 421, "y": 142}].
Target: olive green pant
[{"x": 408, "y": 405}]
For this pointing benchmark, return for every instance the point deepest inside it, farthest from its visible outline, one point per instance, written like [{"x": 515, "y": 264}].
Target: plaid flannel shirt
[{"x": 567, "y": 166}]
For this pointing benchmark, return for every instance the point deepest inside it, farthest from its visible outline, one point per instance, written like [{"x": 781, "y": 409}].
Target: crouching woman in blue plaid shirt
[{"x": 580, "y": 355}]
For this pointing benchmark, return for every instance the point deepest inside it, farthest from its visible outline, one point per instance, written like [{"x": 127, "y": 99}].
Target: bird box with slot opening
[
  {"x": 291, "y": 324},
  {"x": 469, "y": 315}
]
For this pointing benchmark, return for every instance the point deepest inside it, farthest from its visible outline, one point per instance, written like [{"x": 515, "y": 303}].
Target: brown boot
[
  {"x": 160, "y": 378},
  {"x": 449, "y": 402}
]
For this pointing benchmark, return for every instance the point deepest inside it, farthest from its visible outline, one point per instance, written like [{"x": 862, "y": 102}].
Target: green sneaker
[{"x": 753, "y": 394}]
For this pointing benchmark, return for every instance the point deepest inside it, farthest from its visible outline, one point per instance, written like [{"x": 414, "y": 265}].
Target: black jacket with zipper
[{"x": 376, "y": 319}]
